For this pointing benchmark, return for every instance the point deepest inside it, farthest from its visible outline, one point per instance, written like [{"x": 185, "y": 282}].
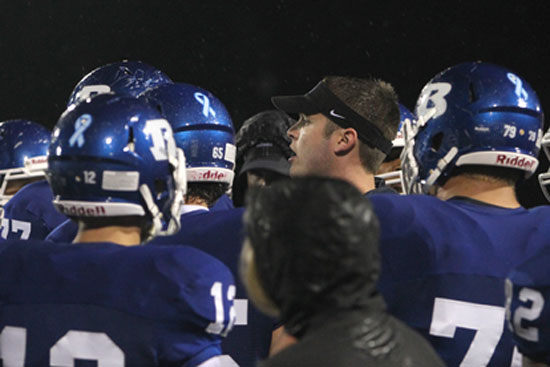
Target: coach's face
[{"x": 310, "y": 145}]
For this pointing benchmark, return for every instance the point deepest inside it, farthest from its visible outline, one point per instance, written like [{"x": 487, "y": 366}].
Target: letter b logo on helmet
[
  {"x": 432, "y": 103},
  {"x": 162, "y": 139},
  {"x": 469, "y": 114}
]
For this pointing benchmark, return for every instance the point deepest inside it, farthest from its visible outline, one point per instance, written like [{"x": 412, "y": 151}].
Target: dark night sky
[{"x": 246, "y": 51}]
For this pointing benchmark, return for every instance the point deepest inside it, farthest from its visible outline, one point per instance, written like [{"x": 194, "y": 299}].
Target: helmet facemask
[{"x": 34, "y": 167}]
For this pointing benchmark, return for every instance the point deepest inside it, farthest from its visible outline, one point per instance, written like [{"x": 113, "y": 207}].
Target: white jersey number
[
  {"x": 524, "y": 313},
  {"x": 217, "y": 327},
  {"x": 486, "y": 320},
  {"x": 73, "y": 345},
  {"x": 16, "y": 226}
]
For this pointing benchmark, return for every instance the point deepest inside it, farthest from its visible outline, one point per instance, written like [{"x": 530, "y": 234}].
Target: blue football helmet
[
  {"x": 202, "y": 128},
  {"x": 125, "y": 77},
  {"x": 23, "y": 152},
  {"x": 116, "y": 156},
  {"x": 471, "y": 114},
  {"x": 395, "y": 178}
]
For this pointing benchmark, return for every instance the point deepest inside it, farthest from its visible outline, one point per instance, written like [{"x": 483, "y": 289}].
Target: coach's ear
[{"x": 346, "y": 140}]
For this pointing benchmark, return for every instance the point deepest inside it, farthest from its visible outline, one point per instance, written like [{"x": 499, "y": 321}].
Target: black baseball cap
[
  {"x": 321, "y": 100},
  {"x": 266, "y": 156}
]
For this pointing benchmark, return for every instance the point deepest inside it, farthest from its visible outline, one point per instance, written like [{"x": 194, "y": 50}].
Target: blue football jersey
[
  {"x": 528, "y": 306},
  {"x": 220, "y": 234},
  {"x": 30, "y": 214},
  {"x": 444, "y": 264},
  {"x": 111, "y": 305},
  {"x": 223, "y": 203}
]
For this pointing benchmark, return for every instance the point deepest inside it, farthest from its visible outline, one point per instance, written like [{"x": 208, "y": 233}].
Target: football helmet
[
  {"x": 116, "y": 156},
  {"x": 125, "y": 77},
  {"x": 471, "y": 114},
  {"x": 202, "y": 128},
  {"x": 394, "y": 178},
  {"x": 23, "y": 152}
]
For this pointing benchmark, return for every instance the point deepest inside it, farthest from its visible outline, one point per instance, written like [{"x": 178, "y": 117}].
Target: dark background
[{"x": 246, "y": 51}]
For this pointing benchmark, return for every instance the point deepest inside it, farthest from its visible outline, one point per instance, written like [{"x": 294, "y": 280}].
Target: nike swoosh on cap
[{"x": 332, "y": 113}]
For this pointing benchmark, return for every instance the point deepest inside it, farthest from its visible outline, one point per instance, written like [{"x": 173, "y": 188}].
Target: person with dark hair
[
  {"x": 311, "y": 258},
  {"x": 447, "y": 252},
  {"x": 207, "y": 140},
  {"x": 345, "y": 130},
  {"x": 262, "y": 151}
]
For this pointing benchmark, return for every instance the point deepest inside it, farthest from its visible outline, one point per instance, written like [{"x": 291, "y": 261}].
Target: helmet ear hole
[
  {"x": 131, "y": 141},
  {"x": 472, "y": 93},
  {"x": 437, "y": 140},
  {"x": 159, "y": 108}
]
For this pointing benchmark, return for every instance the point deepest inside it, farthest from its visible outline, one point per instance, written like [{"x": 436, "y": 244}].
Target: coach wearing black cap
[
  {"x": 345, "y": 129},
  {"x": 262, "y": 152}
]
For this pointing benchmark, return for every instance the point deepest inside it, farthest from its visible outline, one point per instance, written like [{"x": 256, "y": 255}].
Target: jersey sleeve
[{"x": 203, "y": 295}]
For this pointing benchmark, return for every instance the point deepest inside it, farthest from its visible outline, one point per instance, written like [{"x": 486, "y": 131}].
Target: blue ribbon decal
[
  {"x": 520, "y": 91},
  {"x": 205, "y": 102},
  {"x": 80, "y": 125}
]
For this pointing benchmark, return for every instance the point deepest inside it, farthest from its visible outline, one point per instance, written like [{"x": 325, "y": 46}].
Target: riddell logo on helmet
[
  {"x": 38, "y": 160},
  {"x": 211, "y": 175},
  {"x": 516, "y": 162},
  {"x": 79, "y": 211}
]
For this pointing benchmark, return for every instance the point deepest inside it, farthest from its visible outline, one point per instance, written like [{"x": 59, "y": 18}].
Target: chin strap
[
  {"x": 409, "y": 166},
  {"x": 156, "y": 215},
  {"x": 441, "y": 164},
  {"x": 180, "y": 183},
  {"x": 544, "y": 182}
]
